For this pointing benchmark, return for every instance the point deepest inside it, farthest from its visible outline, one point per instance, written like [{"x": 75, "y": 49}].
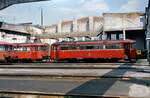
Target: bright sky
[{"x": 57, "y": 10}]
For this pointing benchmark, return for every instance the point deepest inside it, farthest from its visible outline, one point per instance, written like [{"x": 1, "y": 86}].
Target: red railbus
[
  {"x": 107, "y": 49},
  {"x": 30, "y": 52},
  {"x": 5, "y": 51}
]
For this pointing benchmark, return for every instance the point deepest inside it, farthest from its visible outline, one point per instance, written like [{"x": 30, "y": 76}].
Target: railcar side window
[
  {"x": 24, "y": 48},
  {"x": 113, "y": 46},
  {"x": 89, "y": 47},
  {"x": 43, "y": 48},
  {"x": 81, "y": 47},
  {"x": 72, "y": 47},
  {"x": 64, "y": 48},
  {"x": 100, "y": 46}
]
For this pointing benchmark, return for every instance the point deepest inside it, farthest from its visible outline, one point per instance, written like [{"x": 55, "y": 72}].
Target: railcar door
[
  {"x": 35, "y": 53},
  {"x": 54, "y": 52},
  {"x": 57, "y": 53},
  {"x": 127, "y": 47}
]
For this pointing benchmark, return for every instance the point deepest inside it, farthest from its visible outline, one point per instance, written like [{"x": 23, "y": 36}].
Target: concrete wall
[
  {"x": 67, "y": 26},
  {"x": 51, "y": 29},
  {"x": 97, "y": 23},
  {"x": 120, "y": 21},
  {"x": 83, "y": 24}
]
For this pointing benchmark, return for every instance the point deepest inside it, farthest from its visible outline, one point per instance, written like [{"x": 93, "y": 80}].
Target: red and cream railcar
[
  {"x": 108, "y": 49},
  {"x": 31, "y": 52},
  {"x": 5, "y": 51}
]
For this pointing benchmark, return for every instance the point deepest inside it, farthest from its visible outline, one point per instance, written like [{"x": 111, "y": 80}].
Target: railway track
[
  {"x": 72, "y": 88},
  {"x": 72, "y": 65},
  {"x": 74, "y": 80},
  {"x": 75, "y": 73}
]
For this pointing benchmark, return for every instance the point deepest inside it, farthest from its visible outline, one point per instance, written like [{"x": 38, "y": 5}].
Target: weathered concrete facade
[
  {"x": 97, "y": 24},
  {"x": 77, "y": 29},
  {"x": 121, "y": 21},
  {"x": 66, "y": 26},
  {"x": 51, "y": 29},
  {"x": 83, "y": 24}
]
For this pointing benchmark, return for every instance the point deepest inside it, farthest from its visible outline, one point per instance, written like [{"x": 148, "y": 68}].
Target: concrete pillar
[
  {"x": 0, "y": 36},
  {"x": 148, "y": 49},
  {"x": 59, "y": 27},
  {"x": 148, "y": 34},
  {"x": 91, "y": 24},
  {"x": 75, "y": 25},
  {"x": 124, "y": 34}
]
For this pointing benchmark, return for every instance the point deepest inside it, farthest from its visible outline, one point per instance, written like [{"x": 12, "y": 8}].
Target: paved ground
[
  {"x": 135, "y": 72},
  {"x": 93, "y": 87},
  {"x": 111, "y": 83}
]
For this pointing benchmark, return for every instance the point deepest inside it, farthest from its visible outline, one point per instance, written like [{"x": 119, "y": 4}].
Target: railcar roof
[
  {"x": 30, "y": 44},
  {"x": 96, "y": 42},
  {"x": 4, "y": 43}
]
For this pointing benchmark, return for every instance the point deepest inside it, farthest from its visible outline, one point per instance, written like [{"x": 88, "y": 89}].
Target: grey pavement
[
  {"x": 92, "y": 87},
  {"x": 141, "y": 73}
]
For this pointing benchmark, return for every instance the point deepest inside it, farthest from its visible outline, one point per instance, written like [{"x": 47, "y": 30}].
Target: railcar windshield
[
  {"x": 2, "y": 48},
  {"x": 128, "y": 46},
  {"x": 5, "y": 48}
]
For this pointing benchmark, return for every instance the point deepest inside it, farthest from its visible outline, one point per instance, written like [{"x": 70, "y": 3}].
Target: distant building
[
  {"x": 112, "y": 26},
  {"x": 85, "y": 28},
  {"x": 126, "y": 26},
  {"x": 19, "y": 33},
  {"x": 13, "y": 36}
]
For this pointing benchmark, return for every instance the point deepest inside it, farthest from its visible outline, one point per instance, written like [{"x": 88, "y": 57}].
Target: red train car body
[
  {"x": 31, "y": 52},
  {"x": 117, "y": 49},
  {"x": 5, "y": 50}
]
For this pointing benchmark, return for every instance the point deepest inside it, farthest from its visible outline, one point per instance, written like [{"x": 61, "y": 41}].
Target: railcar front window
[
  {"x": 127, "y": 46},
  {"x": 24, "y": 48},
  {"x": 2, "y": 48},
  {"x": 8, "y": 48}
]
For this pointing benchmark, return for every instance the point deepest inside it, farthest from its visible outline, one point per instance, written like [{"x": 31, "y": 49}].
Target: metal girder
[
  {"x": 6, "y": 3},
  {"x": 66, "y": 35}
]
